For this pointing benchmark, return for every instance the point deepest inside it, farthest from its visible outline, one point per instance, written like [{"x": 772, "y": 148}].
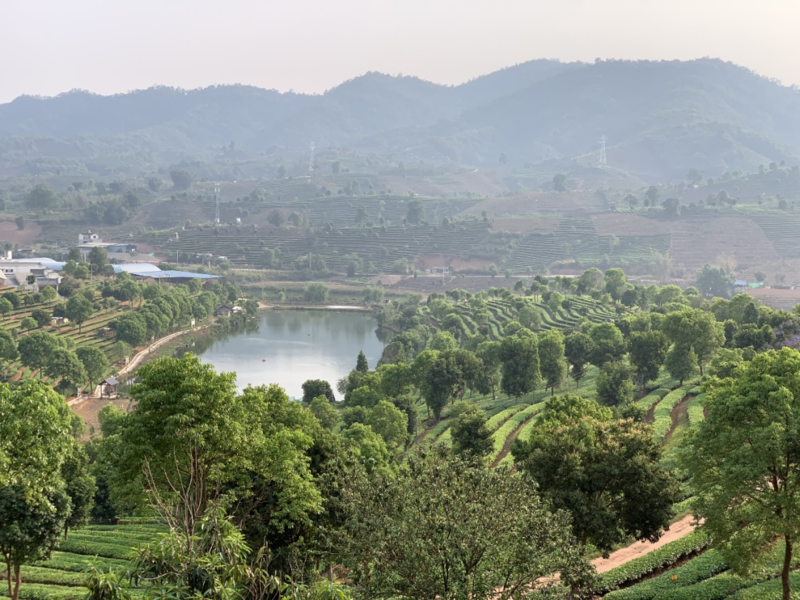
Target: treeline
[{"x": 656, "y": 327}]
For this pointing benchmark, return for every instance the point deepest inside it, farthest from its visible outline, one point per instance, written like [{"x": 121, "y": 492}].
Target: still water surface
[{"x": 288, "y": 347}]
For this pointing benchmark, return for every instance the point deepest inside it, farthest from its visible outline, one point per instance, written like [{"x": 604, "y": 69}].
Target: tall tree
[
  {"x": 697, "y": 329},
  {"x": 648, "y": 351},
  {"x": 79, "y": 485},
  {"x": 65, "y": 364},
  {"x": 470, "y": 435},
  {"x": 34, "y": 440},
  {"x": 35, "y": 349},
  {"x": 743, "y": 460},
  {"x": 79, "y": 310},
  {"x": 604, "y": 472},
  {"x": 615, "y": 283},
  {"x": 578, "y": 348},
  {"x": 519, "y": 354},
  {"x": 614, "y": 385},
  {"x": 94, "y": 362},
  {"x": 552, "y": 363},
  {"x": 449, "y": 527},
  {"x": 361, "y": 363},
  {"x": 608, "y": 344}
]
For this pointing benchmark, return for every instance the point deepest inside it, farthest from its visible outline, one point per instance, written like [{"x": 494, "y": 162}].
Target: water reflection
[{"x": 288, "y": 347}]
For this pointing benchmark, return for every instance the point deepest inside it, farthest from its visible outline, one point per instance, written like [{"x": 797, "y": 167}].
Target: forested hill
[{"x": 660, "y": 118}]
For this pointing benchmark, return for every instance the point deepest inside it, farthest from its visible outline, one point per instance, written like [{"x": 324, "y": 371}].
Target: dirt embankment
[{"x": 676, "y": 531}]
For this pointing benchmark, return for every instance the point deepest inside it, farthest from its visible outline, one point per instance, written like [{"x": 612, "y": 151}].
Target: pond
[{"x": 288, "y": 347}]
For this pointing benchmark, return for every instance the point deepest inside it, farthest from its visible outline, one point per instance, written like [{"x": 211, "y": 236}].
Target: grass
[{"x": 62, "y": 576}]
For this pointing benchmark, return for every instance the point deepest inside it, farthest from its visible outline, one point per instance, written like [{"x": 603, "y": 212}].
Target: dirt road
[
  {"x": 140, "y": 356},
  {"x": 676, "y": 531}
]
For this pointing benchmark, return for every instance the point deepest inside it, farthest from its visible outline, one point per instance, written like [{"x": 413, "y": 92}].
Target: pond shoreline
[{"x": 326, "y": 307}]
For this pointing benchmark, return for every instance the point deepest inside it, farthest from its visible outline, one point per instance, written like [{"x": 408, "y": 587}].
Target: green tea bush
[{"x": 651, "y": 562}]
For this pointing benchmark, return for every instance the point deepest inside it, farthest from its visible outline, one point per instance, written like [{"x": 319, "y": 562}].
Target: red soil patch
[
  {"x": 676, "y": 410},
  {"x": 676, "y": 531},
  {"x": 10, "y": 233}
]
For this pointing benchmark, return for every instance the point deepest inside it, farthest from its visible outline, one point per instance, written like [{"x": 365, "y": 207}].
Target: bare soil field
[
  {"x": 629, "y": 224},
  {"x": 699, "y": 241},
  {"x": 526, "y": 225},
  {"x": 13, "y": 235},
  {"x": 547, "y": 202},
  {"x": 785, "y": 299},
  {"x": 89, "y": 409},
  {"x": 627, "y": 554}
]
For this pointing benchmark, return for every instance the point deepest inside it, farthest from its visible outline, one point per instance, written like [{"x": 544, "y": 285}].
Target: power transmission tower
[
  {"x": 603, "y": 150},
  {"x": 216, "y": 195}
]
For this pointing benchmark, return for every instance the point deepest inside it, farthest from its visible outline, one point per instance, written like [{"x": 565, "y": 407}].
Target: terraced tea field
[{"x": 63, "y": 576}]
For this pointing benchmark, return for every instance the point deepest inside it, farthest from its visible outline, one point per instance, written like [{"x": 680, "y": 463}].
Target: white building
[{"x": 15, "y": 272}]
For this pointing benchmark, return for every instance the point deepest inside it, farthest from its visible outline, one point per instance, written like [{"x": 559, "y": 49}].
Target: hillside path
[
  {"x": 676, "y": 531},
  {"x": 140, "y": 356}
]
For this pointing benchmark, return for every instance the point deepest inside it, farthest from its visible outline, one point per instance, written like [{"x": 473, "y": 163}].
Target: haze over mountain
[{"x": 660, "y": 119}]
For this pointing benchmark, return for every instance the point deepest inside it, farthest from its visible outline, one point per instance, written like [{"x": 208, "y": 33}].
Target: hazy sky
[{"x": 108, "y": 46}]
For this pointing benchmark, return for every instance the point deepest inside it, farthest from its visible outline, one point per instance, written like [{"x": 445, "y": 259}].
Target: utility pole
[
  {"x": 603, "y": 150},
  {"x": 216, "y": 194}
]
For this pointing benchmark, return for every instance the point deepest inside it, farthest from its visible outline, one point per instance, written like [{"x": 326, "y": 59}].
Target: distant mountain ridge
[{"x": 660, "y": 118}]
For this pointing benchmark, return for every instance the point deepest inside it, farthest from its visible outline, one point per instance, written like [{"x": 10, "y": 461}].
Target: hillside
[{"x": 660, "y": 119}]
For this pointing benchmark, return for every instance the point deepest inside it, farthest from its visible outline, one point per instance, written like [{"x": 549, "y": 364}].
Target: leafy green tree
[
  {"x": 714, "y": 281},
  {"x": 315, "y": 292},
  {"x": 681, "y": 362},
  {"x": 552, "y": 363},
  {"x": 444, "y": 341},
  {"x": 471, "y": 437},
  {"x": 79, "y": 310},
  {"x": 326, "y": 414},
  {"x": 648, "y": 351},
  {"x": 64, "y": 363},
  {"x": 530, "y": 317},
  {"x": 615, "y": 283},
  {"x": 560, "y": 182},
  {"x": 698, "y": 329},
  {"x": 578, "y": 348},
  {"x": 489, "y": 375},
  {"x": 42, "y": 317},
  {"x": 5, "y": 306},
  {"x": 608, "y": 345},
  {"x": 34, "y": 440},
  {"x": 94, "y": 362},
  {"x": 192, "y": 442},
  {"x": 614, "y": 385},
  {"x": 725, "y": 363},
  {"x": 416, "y": 212},
  {"x": 519, "y": 355},
  {"x": 389, "y": 422},
  {"x": 313, "y": 388},
  {"x": 554, "y": 301},
  {"x": 605, "y": 472},
  {"x": 181, "y": 178},
  {"x": 40, "y": 197},
  {"x": 14, "y": 298},
  {"x": 28, "y": 323},
  {"x": 744, "y": 471},
  {"x": 98, "y": 258},
  {"x": 449, "y": 527},
  {"x": 35, "y": 349},
  {"x": 8, "y": 348},
  {"x": 80, "y": 486},
  {"x": 29, "y": 529},
  {"x": 131, "y": 328},
  {"x": 369, "y": 448}
]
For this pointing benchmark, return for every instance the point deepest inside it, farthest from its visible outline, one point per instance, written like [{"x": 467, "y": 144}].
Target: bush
[
  {"x": 315, "y": 292},
  {"x": 653, "y": 561}
]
